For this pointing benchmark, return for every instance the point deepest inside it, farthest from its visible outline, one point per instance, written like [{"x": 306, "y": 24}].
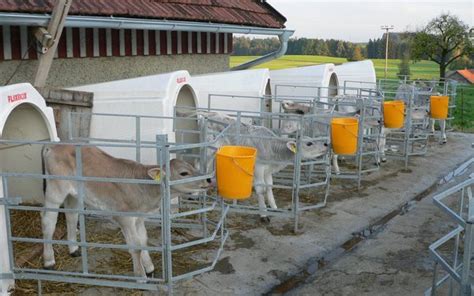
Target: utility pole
[
  {"x": 49, "y": 40},
  {"x": 387, "y": 30}
]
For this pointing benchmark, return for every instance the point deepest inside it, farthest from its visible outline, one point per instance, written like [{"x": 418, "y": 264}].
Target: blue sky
[{"x": 357, "y": 21}]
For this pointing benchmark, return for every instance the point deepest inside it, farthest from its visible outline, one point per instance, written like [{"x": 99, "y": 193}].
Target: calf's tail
[{"x": 44, "y": 151}]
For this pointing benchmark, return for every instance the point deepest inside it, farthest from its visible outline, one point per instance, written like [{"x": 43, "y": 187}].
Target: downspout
[
  {"x": 149, "y": 24},
  {"x": 268, "y": 57}
]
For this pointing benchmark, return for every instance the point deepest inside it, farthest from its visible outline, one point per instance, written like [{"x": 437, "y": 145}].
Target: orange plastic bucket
[
  {"x": 344, "y": 134},
  {"x": 394, "y": 114},
  {"x": 234, "y": 170},
  {"x": 439, "y": 107}
]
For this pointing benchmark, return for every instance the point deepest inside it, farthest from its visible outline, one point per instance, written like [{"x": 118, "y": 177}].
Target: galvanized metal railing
[
  {"x": 194, "y": 214},
  {"x": 368, "y": 103},
  {"x": 458, "y": 267}
]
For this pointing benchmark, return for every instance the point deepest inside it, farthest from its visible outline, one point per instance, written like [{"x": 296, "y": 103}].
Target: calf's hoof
[
  {"x": 150, "y": 274},
  {"x": 76, "y": 253},
  {"x": 444, "y": 141},
  {"x": 50, "y": 267},
  {"x": 265, "y": 219}
]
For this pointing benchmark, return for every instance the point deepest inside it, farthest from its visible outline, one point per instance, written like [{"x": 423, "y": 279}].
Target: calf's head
[
  {"x": 180, "y": 170},
  {"x": 309, "y": 149},
  {"x": 296, "y": 108},
  {"x": 289, "y": 126}
]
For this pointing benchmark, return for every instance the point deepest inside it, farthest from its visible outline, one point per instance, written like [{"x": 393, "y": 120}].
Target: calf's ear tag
[
  {"x": 293, "y": 149},
  {"x": 158, "y": 177}
]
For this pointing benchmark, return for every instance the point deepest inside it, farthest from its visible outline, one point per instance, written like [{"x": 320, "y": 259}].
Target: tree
[
  {"x": 340, "y": 49},
  {"x": 356, "y": 54},
  {"x": 444, "y": 40},
  {"x": 404, "y": 67}
]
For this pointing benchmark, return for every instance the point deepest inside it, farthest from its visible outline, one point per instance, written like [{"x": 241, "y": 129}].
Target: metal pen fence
[
  {"x": 412, "y": 139},
  {"x": 365, "y": 103},
  {"x": 453, "y": 252},
  {"x": 202, "y": 215},
  {"x": 311, "y": 176}
]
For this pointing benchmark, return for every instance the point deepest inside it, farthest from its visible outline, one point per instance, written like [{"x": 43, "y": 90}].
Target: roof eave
[{"x": 136, "y": 23}]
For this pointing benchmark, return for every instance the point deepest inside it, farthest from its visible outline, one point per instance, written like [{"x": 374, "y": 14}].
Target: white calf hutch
[
  {"x": 154, "y": 96},
  {"x": 23, "y": 117},
  {"x": 356, "y": 74},
  {"x": 305, "y": 82},
  {"x": 242, "y": 86}
]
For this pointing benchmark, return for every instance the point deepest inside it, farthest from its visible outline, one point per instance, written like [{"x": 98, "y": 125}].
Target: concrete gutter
[{"x": 42, "y": 20}]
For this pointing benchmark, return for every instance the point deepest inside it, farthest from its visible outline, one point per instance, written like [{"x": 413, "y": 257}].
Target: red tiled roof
[
  {"x": 242, "y": 12},
  {"x": 468, "y": 74}
]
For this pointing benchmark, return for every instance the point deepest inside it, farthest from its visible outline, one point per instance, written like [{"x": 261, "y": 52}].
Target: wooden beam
[{"x": 55, "y": 28}]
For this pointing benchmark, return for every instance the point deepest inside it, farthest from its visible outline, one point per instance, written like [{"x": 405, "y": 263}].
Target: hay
[{"x": 101, "y": 261}]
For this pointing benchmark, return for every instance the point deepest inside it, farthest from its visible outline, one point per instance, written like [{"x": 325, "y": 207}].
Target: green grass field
[{"x": 419, "y": 70}]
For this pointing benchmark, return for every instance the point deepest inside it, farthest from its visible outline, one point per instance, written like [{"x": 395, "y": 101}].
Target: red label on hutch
[
  {"x": 181, "y": 80},
  {"x": 17, "y": 97}
]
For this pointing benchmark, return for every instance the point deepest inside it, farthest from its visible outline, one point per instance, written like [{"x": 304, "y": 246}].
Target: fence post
[
  {"x": 5, "y": 268},
  {"x": 164, "y": 157}
]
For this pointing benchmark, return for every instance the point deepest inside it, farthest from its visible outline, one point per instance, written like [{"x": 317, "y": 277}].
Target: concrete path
[
  {"x": 393, "y": 262},
  {"x": 268, "y": 258}
]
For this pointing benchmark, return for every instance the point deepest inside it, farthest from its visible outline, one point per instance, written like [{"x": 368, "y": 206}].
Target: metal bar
[
  {"x": 138, "y": 138},
  {"x": 166, "y": 222},
  {"x": 21, "y": 271},
  {"x": 81, "y": 199},
  {"x": 78, "y": 280},
  {"x": 465, "y": 281},
  {"x": 83, "y": 245}
]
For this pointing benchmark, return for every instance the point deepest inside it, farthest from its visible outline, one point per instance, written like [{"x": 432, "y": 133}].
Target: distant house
[
  {"x": 465, "y": 76},
  {"x": 109, "y": 40}
]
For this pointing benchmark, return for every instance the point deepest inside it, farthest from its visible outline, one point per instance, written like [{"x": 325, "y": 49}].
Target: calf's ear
[
  {"x": 155, "y": 174},
  {"x": 292, "y": 146}
]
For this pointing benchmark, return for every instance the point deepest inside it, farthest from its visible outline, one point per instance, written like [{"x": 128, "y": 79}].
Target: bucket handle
[
  {"x": 398, "y": 110},
  {"x": 241, "y": 168},
  {"x": 350, "y": 132}
]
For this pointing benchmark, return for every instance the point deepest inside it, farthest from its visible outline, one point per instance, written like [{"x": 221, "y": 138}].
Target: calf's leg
[
  {"x": 442, "y": 124},
  {"x": 432, "y": 125},
  {"x": 259, "y": 178},
  {"x": 144, "y": 255},
  {"x": 48, "y": 224},
  {"x": 54, "y": 197},
  {"x": 335, "y": 164},
  {"x": 270, "y": 197},
  {"x": 129, "y": 230},
  {"x": 71, "y": 222},
  {"x": 382, "y": 143}
]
